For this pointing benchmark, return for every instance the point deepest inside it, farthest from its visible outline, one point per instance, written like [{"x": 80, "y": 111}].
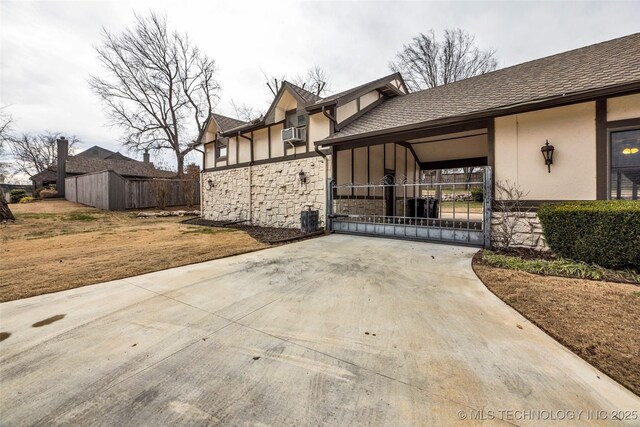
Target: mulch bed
[{"x": 268, "y": 235}]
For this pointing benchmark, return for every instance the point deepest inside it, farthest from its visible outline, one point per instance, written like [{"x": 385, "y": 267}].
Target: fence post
[{"x": 487, "y": 199}]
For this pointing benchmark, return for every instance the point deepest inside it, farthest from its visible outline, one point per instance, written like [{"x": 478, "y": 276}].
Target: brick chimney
[
  {"x": 145, "y": 156},
  {"x": 63, "y": 153}
]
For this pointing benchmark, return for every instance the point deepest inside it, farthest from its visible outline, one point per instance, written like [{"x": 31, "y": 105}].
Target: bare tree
[
  {"x": 5, "y": 129},
  {"x": 33, "y": 154},
  {"x": 158, "y": 87},
  {"x": 511, "y": 215},
  {"x": 245, "y": 113},
  {"x": 427, "y": 62},
  {"x": 314, "y": 79}
]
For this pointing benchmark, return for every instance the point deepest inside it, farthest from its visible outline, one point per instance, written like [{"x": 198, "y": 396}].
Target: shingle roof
[
  {"x": 77, "y": 165},
  {"x": 80, "y": 165},
  {"x": 98, "y": 152},
  {"x": 307, "y": 97},
  {"x": 49, "y": 174},
  {"x": 598, "y": 66},
  {"x": 225, "y": 123}
]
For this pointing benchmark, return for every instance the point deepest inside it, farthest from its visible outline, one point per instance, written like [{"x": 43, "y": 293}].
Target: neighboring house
[
  {"x": 97, "y": 159},
  {"x": 103, "y": 179},
  {"x": 378, "y": 143}
]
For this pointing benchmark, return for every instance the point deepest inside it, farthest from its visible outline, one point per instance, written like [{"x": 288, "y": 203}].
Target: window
[
  {"x": 221, "y": 148},
  {"x": 625, "y": 164},
  {"x": 293, "y": 120}
]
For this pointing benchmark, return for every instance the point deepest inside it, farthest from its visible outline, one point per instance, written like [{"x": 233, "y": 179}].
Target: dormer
[{"x": 289, "y": 105}]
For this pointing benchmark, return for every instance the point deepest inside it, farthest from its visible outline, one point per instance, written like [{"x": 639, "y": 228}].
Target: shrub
[
  {"x": 17, "y": 194},
  {"x": 37, "y": 192},
  {"x": 48, "y": 193},
  {"x": 26, "y": 199},
  {"x": 477, "y": 194},
  {"x": 559, "y": 267},
  {"x": 161, "y": 189},
  {"x": 511, "y": 216},
  {"x": 600, "y": 232}
]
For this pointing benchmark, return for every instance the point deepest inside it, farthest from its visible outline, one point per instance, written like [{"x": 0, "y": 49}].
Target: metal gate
[{"x": 458, "y": 211}]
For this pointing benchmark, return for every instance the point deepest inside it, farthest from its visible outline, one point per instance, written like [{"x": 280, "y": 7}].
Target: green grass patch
[
  {"x": 40, "y": 235},
  {"x": 560, "y": 267},
  {"x": 461, "y": 206},
  {"x": 80, "y": 217},
  {"x": 36, "y": 215}
]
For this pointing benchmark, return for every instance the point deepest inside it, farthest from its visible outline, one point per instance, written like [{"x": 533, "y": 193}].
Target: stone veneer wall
[
  {"x": 268, "y": 195},
  {"x": 528, "y": 233},
  {"x": 347, "y": 205}
]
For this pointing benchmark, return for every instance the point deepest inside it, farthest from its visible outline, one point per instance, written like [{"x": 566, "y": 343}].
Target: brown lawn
[
  {"x": 55, "y": 245},
  {"x": 597, "y": 320}
]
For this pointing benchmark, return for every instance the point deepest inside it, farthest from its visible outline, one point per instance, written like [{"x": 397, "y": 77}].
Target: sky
[{"x": 47, "y": 47}]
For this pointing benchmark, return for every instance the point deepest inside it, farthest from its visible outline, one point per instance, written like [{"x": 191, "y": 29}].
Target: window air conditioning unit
[{"x": 293, "y": 135}]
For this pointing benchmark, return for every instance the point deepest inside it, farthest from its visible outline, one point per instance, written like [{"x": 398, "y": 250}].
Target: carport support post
[
  {"x": 329, "y": 208},
  {"x": 486, "y": 212}
]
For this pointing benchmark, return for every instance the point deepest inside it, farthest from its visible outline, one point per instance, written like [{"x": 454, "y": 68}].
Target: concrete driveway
[{"x": 337, "y": 330}]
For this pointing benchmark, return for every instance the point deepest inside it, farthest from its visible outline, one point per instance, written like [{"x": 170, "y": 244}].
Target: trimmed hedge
[
  {"x": 17, "y": 194},
  {"x": 477, "y": 194},
  {"x": 602, "y": 232}
]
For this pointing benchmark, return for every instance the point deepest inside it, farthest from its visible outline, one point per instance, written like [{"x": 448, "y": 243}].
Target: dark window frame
[
  {"x": 610, "y": 167},
  {"x": 219, "y": 145}
]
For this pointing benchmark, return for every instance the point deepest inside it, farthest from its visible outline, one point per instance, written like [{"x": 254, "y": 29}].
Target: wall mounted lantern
[
  {"x": 547, "y": 152},
  {"x": 302, "y": 177},
  {"x": 210, "y": 182}
]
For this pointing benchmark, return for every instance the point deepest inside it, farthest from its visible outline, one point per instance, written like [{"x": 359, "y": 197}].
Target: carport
[{"x": 432, "y": 185}]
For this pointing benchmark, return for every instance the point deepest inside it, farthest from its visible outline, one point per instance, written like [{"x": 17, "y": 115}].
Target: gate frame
[{"x": 486, "y": 213}]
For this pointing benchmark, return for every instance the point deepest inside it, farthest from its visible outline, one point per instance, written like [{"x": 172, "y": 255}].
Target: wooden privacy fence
[{"x": 110, "y": 191}]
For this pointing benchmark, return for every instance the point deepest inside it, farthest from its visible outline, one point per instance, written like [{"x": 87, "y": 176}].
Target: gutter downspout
[
  {"x": 193, "y": 146},
  {"x": 250, "y": 139},
  {"x": 333, "y": 120},
  {"x": 326, "y": 180}
]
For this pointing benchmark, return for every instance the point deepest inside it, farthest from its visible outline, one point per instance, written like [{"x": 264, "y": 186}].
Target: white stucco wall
[
  {"x": 452, "y": 149},
  {"x": 209, "y": 155},
  {"x": 318, "y": 128},
  {"x": 369, "y": 98},
  {"x": 623, "y": 107},
  {"x": 286, "y": 103},
  {"x": 261, "y": 144},
  {"x": 347, "y": 110},
  {"x": 571, "y": 130},
  {"x": 277, "y": 147}
]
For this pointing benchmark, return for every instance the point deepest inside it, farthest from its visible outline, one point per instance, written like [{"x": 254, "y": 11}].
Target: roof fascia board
[
  {"x": 252, "y": 128},
  {"x": 381, "y": 82}
]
